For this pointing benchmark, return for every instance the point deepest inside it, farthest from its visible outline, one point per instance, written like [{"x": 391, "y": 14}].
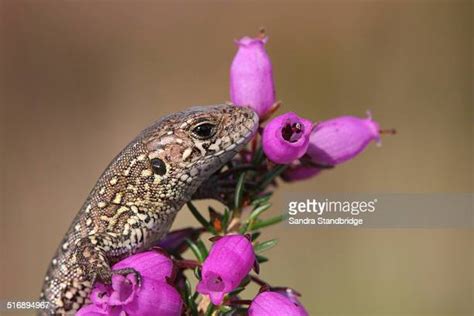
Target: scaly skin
[{"x": 135, "y": 201}]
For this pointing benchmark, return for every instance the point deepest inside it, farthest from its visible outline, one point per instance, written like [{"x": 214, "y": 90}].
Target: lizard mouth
[
  {"x": 252, "y": 121},
  {"x": 243, "y": 126}
]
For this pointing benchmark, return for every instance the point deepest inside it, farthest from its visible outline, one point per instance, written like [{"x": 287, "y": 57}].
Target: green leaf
[
  {"x": 202, "y": 247},
  {"x": 225, "y": 309},
  {"x": 261, "y": 259},
  {"x": 236, "y": 311},
  {"x": 186, "y": 290},
  {"x": 195, "y": 249},
  {"x": 210, "y": 309},
  {"x": 260, "y": 247},
  {"x": 225, "y": 219},
  {"x": 236, "y": 291},
  {"x": 255, "y": 235},
  {"x": 239, "y": 190},
  {"x": 189, "y": 298},
  {"x": 197, "y": 273},
  {"x": 262, "y": 199},
  {"x": 200, "y": 218},
  {"x": 212, "y": 210},
  {"x": 253, "y": 217},
  {"x": 258, "y": 156},
  {"x": 259, "y": 210},
  {"x": 230, "y": 312},
  {"x": 268, "y": 222},
  {"x": 271, "y": 175},
  {"x": 243, "y": 228},
  {"x": 245, "y": 281}
]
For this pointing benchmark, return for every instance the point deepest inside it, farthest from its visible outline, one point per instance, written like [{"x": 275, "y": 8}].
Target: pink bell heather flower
[
  {"x": 292, "y": 296},
  {"x": 333, "y": 142},
  {"x": 286, "y": 138},
  {"x": 275, "y": 304},
  {"x": 230, "y": 260},
  {"x": 153, "y": 297},
  {"x": 340, "y": 139},
  {"x": 251, "y": 78}
]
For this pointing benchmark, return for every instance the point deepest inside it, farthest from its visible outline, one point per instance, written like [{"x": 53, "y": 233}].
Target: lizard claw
[
  {"x": 105, "y": 275},
  {"x": 127, "y": 271}
]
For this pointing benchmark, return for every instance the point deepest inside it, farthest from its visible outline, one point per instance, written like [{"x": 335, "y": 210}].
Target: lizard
[{"x": 136, "y": 199}]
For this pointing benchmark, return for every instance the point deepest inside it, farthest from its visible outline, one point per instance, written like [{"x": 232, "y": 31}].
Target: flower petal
[
  {"x": 100, "y": 294},
  {"x": 340, "y": 139},
  {"x": 155, "y": 298},
  {"x": 251, "y": 76},
  {"x": 124, "y": 287},
  {"x": 230, "y": 259},
  {"x": 93, "y": 310},
  {"x": 154, "y": 268},
  {"x": 275, "y": 304},
  {"x": 150, "y": 265},
  {"x": 286, "y": 138}
]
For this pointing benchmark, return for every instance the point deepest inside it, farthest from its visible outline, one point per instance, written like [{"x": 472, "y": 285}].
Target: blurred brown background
[{"x": 81, "y": 78}]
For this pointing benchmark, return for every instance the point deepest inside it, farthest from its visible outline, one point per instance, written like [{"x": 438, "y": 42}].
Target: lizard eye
[
  {"x": 159, "y": 167},
  {"x": 204, "y": 130}
]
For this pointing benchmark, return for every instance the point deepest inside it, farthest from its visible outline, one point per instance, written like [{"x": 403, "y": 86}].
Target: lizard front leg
[
  {"x": 85, "y": 262},
  {"x": 91, "y": 254}
]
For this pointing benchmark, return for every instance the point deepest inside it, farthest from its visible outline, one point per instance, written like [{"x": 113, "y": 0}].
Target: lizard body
[{"x": 135, "y": 201}]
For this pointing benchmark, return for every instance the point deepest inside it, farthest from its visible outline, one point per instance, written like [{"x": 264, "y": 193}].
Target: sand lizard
[{"x": 135, "y": 201}]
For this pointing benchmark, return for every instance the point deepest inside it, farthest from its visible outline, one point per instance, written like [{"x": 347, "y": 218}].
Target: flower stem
[
  {"x": 239, "y": 302},
  {"x": 258, "y": 281},
  {"x": 389, "y": 131},
  {"x": 187, "y": 264}
]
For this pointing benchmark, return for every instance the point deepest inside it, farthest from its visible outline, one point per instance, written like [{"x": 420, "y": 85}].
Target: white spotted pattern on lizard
[{"x": 135, "y": 201}]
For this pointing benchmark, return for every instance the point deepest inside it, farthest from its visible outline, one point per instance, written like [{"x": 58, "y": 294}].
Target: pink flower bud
[
  {"x": 286, "y": 138},
  {"x": 275, "y": 304},
  {"x": 251, "y": 78},
  {"x": 340, "y": 139},
  {"x": 230, "y": 260}
]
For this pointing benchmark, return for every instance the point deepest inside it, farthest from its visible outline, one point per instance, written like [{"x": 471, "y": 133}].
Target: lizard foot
[
  {"x": 105, "y": 275},
  {"x": 127, "y": 271}
]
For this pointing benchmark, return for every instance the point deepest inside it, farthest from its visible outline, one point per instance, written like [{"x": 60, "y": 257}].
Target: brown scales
[{"x": 135, "y": 201}]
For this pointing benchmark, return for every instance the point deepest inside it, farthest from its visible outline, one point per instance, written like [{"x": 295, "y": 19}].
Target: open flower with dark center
[
  {"x": 275, "y": 304},
  {"x": 155, "y": 296},
  {"x": 230, "y": 260},
  {"x": 286, "y": 138}
]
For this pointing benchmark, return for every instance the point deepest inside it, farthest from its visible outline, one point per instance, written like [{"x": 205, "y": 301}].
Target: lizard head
[{"x": 187, "y": 147}]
